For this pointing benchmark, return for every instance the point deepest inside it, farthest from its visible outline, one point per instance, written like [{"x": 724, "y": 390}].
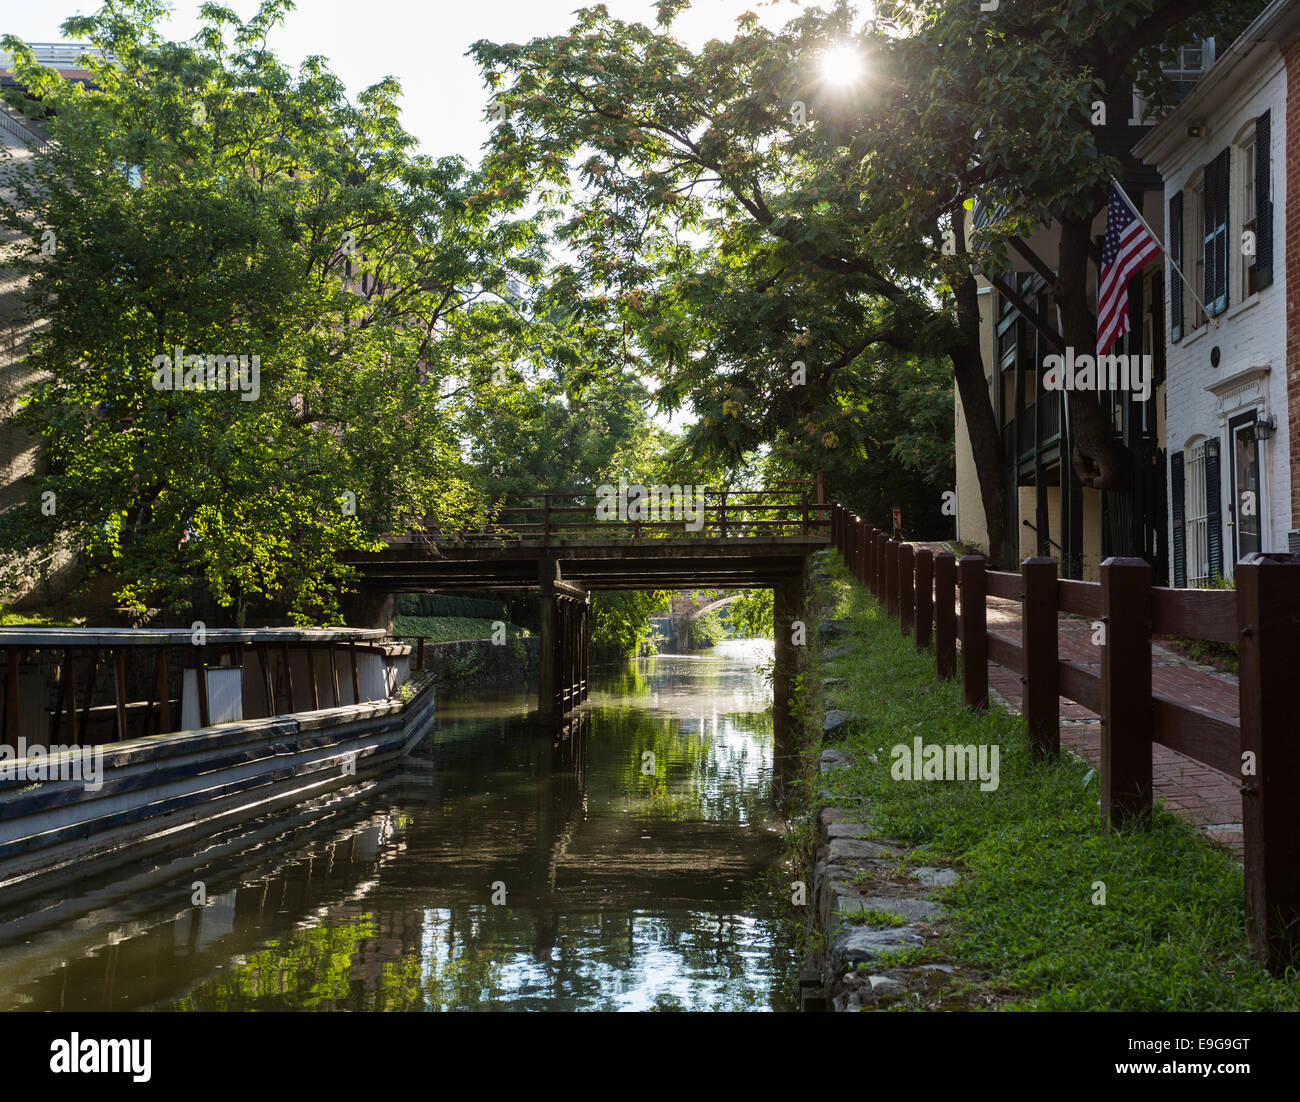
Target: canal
[{"x": 632, "y": 864}]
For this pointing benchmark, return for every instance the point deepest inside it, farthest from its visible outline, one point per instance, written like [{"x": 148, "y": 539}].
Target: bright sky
[{"x": 420, "y": 42}]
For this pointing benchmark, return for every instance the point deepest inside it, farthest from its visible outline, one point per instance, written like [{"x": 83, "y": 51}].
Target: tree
[
  {"x": 203, "y": 201},
  {"x": 834, "y": 215},
  {"x": 620, "y": 619}
]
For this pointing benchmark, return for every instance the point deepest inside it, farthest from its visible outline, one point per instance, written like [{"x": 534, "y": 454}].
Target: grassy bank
[
  {"x": 450, "y": 629},
  {"x": 1170, "y": 934}
]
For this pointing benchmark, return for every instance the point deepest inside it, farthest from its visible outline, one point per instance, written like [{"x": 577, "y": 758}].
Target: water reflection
[{"x": 630, "y": 850}]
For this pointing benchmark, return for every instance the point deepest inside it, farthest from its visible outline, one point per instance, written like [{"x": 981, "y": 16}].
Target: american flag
[{"x": 1128, "y": 246}]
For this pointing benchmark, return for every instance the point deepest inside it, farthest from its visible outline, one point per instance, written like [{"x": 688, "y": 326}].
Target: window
[
  {"x": 1214, "y": 198},
  {"x": 1192, "y": 62},
  {"x": 1196, "y": 216},
  {"x": 1197, "y": 513}
]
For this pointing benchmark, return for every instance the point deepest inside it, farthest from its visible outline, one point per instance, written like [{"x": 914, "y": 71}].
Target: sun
[{"x": 842, "y": 65}]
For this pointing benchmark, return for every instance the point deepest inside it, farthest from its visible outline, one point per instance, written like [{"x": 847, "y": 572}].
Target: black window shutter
[
  {"x": 1176, "y": 489},
  {"x": 1261, "y": 274},
  {"x": 1216, "y": 233},
  {"x": 1176, "y": 283},
  {"x": 1213, "y": 505}
]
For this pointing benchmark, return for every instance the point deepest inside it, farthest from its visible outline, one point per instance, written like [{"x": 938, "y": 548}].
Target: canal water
[{"x": 630, "y": 862}]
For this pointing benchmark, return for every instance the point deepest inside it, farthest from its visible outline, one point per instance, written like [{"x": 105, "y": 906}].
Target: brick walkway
[{"x": 1205, "y": 796}]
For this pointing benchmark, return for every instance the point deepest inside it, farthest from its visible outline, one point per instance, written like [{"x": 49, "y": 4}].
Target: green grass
[
  {"x": 868, "y": 917},
  {"x": 1171, "y": 933},
  {"x": 448, "y": 629},
  {"x": 11, "y": 619}
]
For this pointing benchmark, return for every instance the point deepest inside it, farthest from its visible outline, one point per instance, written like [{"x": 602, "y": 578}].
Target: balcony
[{"x": 1019, "y": 438}]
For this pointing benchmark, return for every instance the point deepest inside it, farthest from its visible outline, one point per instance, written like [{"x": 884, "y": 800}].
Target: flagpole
[{"x": 1156, "y": 238}]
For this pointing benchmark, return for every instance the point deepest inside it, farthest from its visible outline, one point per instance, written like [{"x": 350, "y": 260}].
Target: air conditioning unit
[{"x": 1293, "y": 541}]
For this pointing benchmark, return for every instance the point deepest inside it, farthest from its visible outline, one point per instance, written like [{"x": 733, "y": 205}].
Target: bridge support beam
[{"x": 565, "y": 617}]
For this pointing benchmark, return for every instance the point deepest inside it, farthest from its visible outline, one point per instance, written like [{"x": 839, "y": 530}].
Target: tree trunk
[
  {"x": 977, "y": 406},
  {"x": 1098, "y": 461}
]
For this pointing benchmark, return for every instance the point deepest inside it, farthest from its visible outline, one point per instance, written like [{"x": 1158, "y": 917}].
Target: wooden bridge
[{"x": 566, "y": 545}]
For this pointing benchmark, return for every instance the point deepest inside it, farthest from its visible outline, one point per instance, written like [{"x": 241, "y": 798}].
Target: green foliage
[
  {"x": 752, "y": 614},
  {"x": 620, "y": 620},
  {"x": 463, "y": 666},
  {"x": 446, "y": 629},
  {"x": 273, "y": 218},
  {"x": 708, "y": 630},
  {"x": 727, "y": 242},
  {"x": 442, "y": 604}
]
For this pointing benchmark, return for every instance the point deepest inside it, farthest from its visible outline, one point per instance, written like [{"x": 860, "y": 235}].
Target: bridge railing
[{"x": 666, "y": 512}]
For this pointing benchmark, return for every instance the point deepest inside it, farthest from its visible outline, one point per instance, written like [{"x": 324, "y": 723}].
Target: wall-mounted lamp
[{"x": 1265, "y": 429}]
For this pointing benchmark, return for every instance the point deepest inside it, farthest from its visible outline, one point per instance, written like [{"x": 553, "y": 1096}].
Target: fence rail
[
  {"x": 710, "y": 514},
  {"x": 1262, "y": 747}
]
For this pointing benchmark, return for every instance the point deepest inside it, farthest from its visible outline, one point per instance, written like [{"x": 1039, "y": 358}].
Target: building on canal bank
[
  {"x": 1049, "y": 512},
  {"x": 1233, "y": 387}
]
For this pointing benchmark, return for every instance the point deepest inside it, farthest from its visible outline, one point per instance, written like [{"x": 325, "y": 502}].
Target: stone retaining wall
[{"x": 469, "y": 663}]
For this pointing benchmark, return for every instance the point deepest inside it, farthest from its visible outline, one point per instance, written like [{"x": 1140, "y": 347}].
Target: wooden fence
[{"x": 1261, "y": 749}]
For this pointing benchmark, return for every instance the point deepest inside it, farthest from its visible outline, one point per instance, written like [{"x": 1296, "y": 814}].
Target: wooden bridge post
[
  {"x": 924, "y": 605},
  {"x": 906, "y": 589},
  {"x": 945, "y": 615},
  {"x": 1127, "y": 718},
  {"x": 974, "y": 632},
  {"x": 11, "y": 696},
  {"x": 586, "y": 638},
  {"x": 548, "y": 672},
  {"x": 1042, "y": 694},
  {"x": 1268, "y": 616}
]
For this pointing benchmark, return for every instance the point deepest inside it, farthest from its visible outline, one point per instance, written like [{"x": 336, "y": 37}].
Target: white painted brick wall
[{"x": 1250, "y": 333}]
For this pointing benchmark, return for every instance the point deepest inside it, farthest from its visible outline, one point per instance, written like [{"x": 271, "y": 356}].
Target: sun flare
[{"x": 842, "y": 65}]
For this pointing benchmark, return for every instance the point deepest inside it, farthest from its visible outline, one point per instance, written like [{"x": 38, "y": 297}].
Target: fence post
[
  {"x": 1268, "y": 615},
  {"x": 837, "y": 527},
  {"x": 974, "y": 633},
  {"x": 868, "y": 555},
  {"x": 891, "y": 577},
  {"x": 924, "y": 608},
  {"x": 945, "y": 615},
  {"x": 859, "y": 546},
  {"x": 906, "y": 589},
  {"x": 1042, "y": 697},
  {"x": 1126, "y": 710}
]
